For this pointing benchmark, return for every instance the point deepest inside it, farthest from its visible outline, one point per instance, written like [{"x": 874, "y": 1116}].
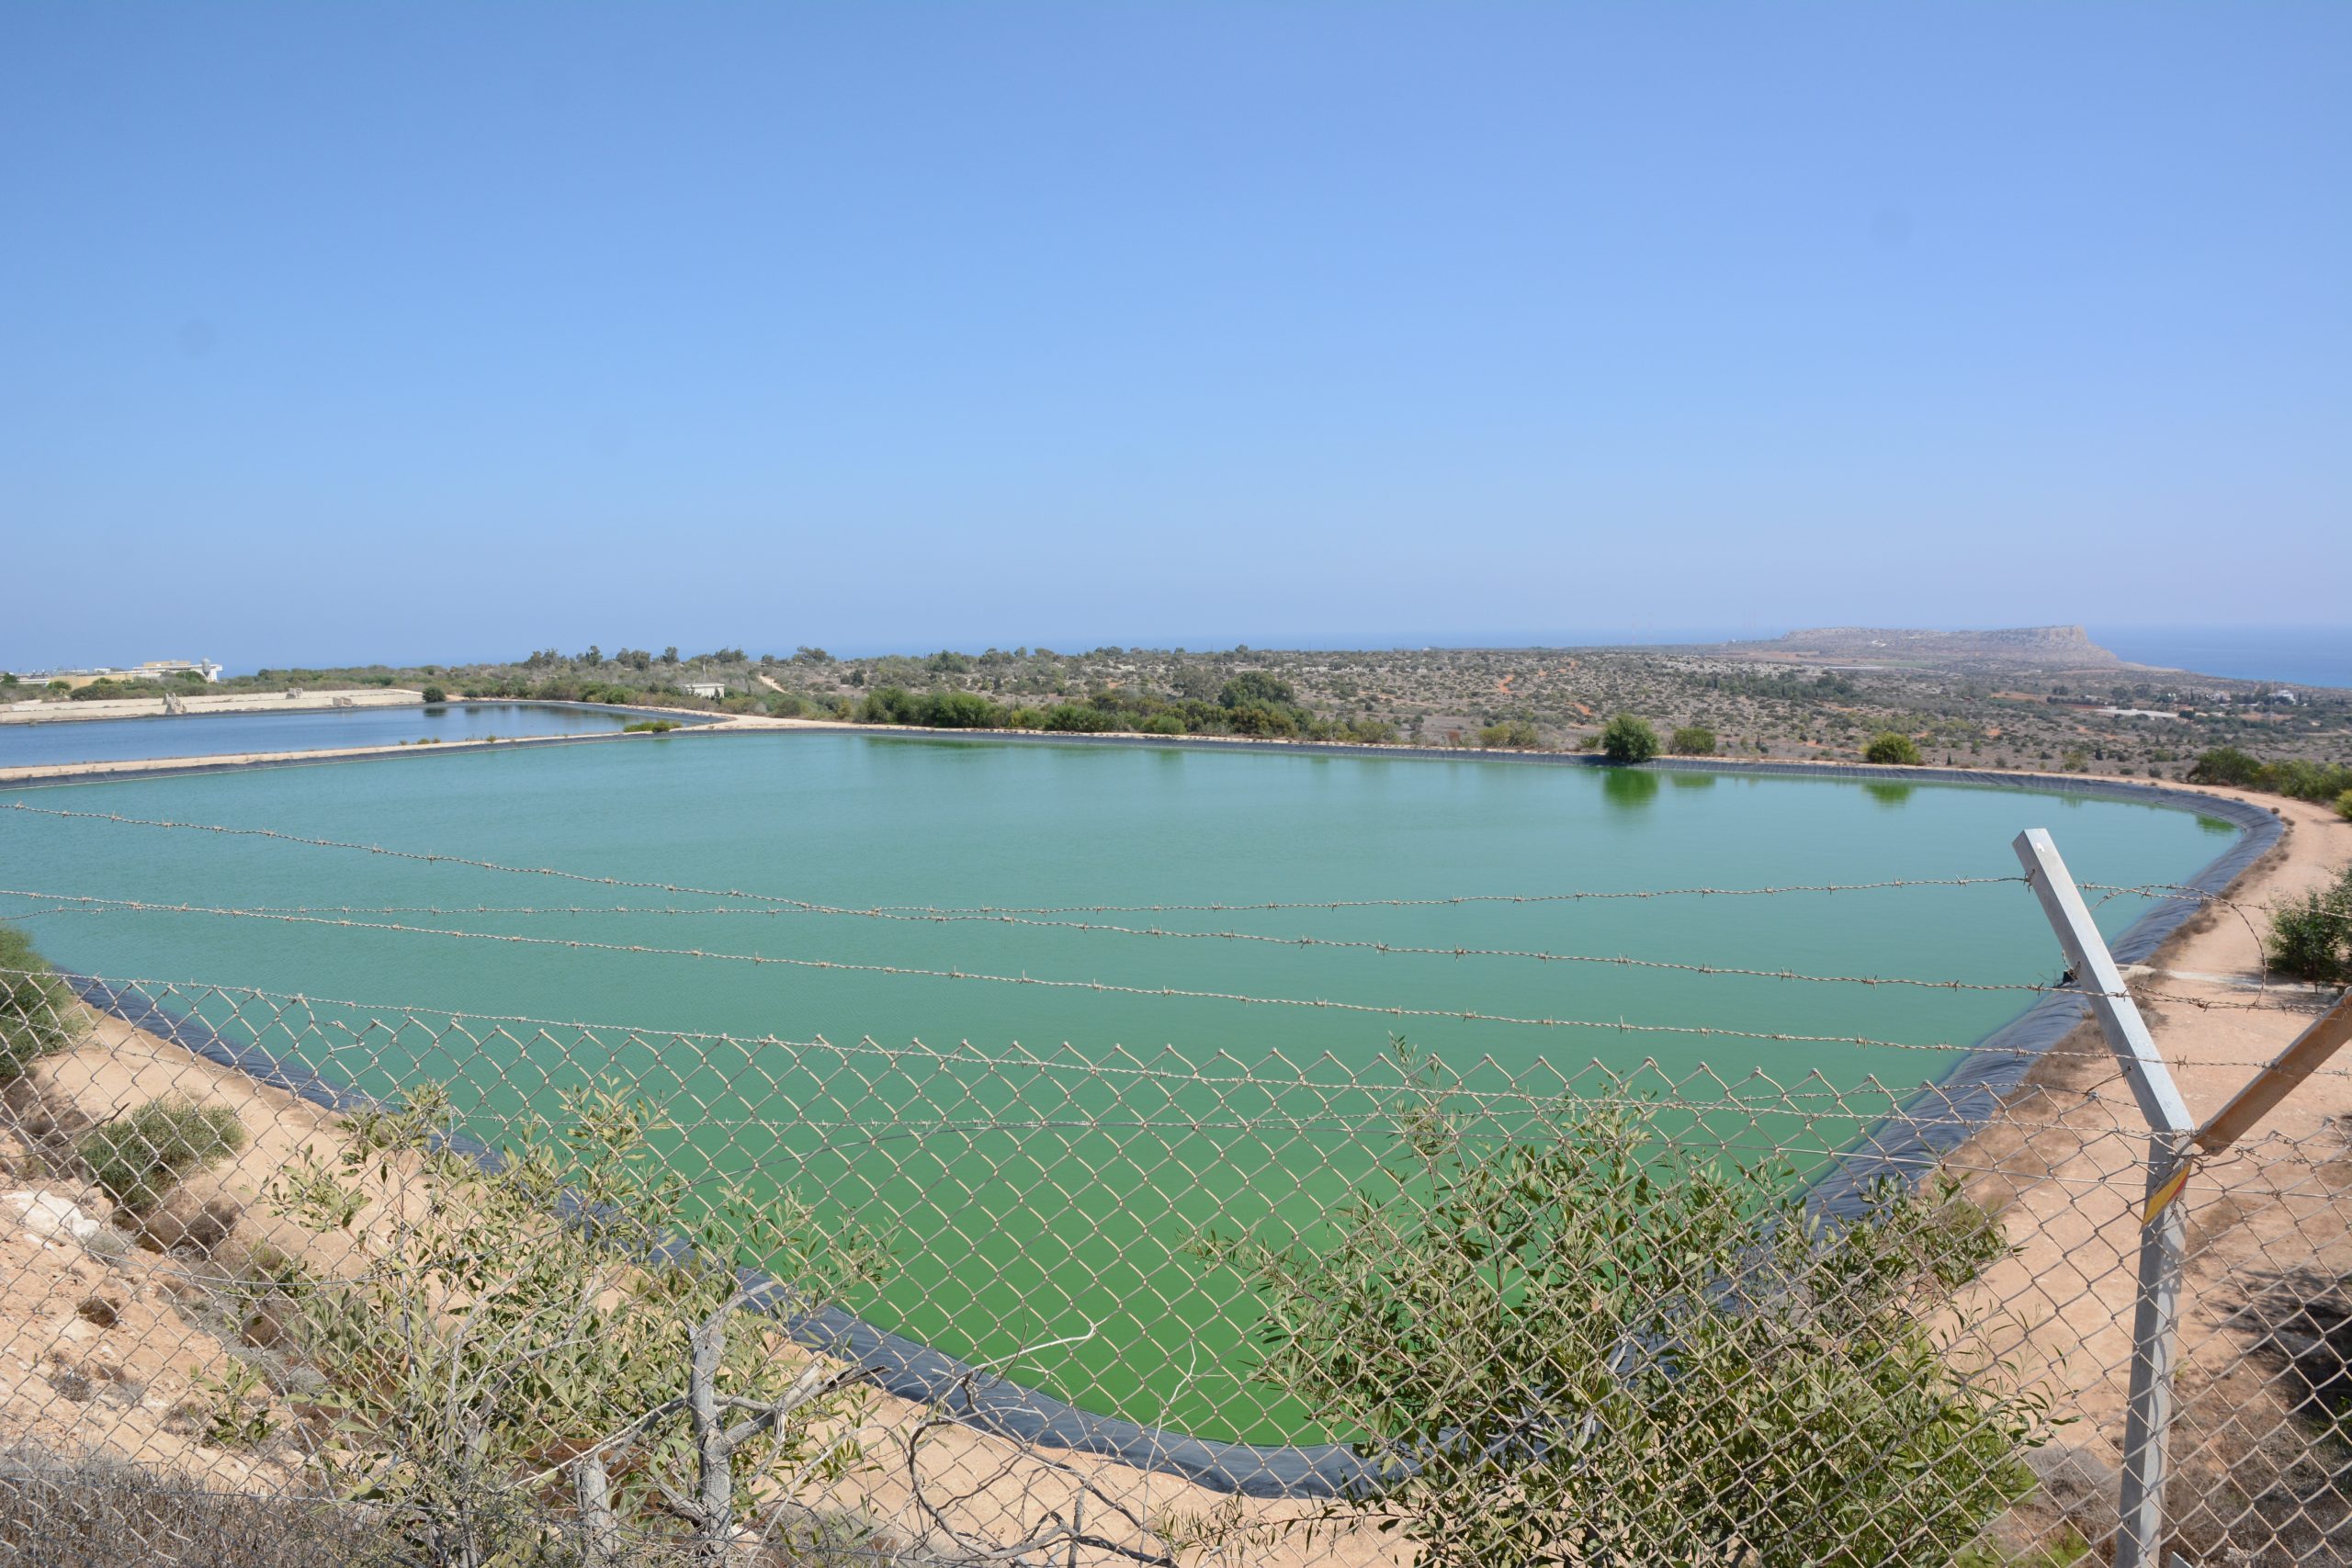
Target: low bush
[
  {"x": 576, "y": 1368},
  {"x": 1256, "y": 688},
  {"x": 650, "y": 726},
  {"x": 2311, "y": 937},
  {"x": 1893, "y": 749},
  {"x": 1609, "y": 1345},
  {"x": 890, "y": 704},
  {"x": 1264, "y": 719},
  {"x": 1512, "y": 734},
  {"x": 2227, "y": 765},
  {"x": 1693, "y": 741},
  {"x": 434, "y": 696},
  {"x": 39, "y": 1013},
  {"x": 1628, "y": 739},
  {"x": 2295, "y": 777},
  {"x": 2344, "y": 805},
  {"x": 138, "y": 1158},
  {"x": 89, "y": 1513},
  {"x": 958, "y": 710},
  {"x": 1079, "y": 718}
]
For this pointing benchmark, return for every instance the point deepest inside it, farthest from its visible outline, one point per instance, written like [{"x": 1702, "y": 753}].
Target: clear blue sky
[{"x": 336, "y": 331}]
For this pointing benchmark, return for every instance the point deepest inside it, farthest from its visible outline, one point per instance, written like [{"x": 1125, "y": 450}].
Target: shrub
[
  {"x": 2311, "y": 937},
  {"x": 1080, "y": 719},
  {"x": 1262, "y": 719},
  {"x": 1514, "y": 734},
  {"x": 1024, "y": 718},
  {"x": 575, "y": 1359},
  {"x": 650, "y": 726},
  {"x": 1255, "y": 688},
  {"x": 1162, "y": 724},
  {"x": 434, "y": 696},
  {"x": 1628, "y": 739},
  {"x": 2344, "y": 805},
  {"x": 2300, "y": 779},
  {"x": 138, "y": 1158},
  {"x": 958, "y": 710},
  {"x": 1608, "y": 1346},
  {"x": 890, "y": 704},
  {"x": 1892, "y": 748},
  {"x": 38, "y": 1012},
  {"x": 786, "y": 704},
  {"x": 1693, "y": 741},
  {"x": 93, "y": 1513},
  {"x": 2296, "y": 777},
  {"x": 2227, "y": 765}
]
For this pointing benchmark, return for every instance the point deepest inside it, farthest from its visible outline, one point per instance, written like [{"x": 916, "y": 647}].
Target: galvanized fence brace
[{"x": 2175, "y": 1141}]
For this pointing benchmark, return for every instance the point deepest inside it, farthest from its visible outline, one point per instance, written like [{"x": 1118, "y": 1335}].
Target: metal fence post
[{"x": 2140, "y": 1528}]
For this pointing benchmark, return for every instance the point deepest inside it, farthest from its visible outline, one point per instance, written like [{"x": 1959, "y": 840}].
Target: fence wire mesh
[{"x": 297, "y": 1280}]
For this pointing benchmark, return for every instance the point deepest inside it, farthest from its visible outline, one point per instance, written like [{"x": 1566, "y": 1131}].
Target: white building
[{"x": 713, "y": 690}]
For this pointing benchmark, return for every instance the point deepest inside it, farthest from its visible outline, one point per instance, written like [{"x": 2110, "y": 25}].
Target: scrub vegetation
[
  {"x": 1609, "y": 1347},
  {"x": 1890, "y": 749},
  {"x": 38, "y": 1012},
  {"x": 2311, "y": 937},
  {"x": 1628, "y": 739},
  {"x": 489, "y": 1351},
  {"x": 137, "y": 1158},
  {"x": 2043, "y": 700},
  {"x": 2301, "y": 778}
]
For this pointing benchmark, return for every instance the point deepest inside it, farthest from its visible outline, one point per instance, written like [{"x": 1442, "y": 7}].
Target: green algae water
[{"x": 1038, "y": 1159}]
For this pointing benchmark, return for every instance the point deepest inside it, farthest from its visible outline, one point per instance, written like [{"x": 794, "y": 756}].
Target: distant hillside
[{"x": 2060, "y": 647}]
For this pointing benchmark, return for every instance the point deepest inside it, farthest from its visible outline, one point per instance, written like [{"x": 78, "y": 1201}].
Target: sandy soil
[
  {"x": 152, "y": 767},
  {"x": 226, "y": 702}
]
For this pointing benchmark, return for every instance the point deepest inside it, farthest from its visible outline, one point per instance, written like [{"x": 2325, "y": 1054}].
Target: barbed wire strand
[
  {"x": 72, "y": 902},
  {"x": 921, "y": 910},
  {"x": 1245, "y": 1074},
  {"x": 1101, "y": 986}
]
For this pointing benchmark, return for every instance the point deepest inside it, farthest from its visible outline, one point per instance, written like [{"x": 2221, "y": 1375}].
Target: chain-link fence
[{"x": 290, "y": 1279}]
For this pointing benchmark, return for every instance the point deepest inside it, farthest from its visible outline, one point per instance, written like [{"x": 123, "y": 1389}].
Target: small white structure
[
  {"x": 153, "y": 669},
  {"x": 713, "y": 690},
  {"x": 204, "y": 667}
]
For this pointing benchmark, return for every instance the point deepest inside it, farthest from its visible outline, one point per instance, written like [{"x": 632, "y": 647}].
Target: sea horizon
[{"x": 2292, "y": 656}]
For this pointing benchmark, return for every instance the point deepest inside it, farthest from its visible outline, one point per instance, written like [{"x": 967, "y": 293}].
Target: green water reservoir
[{"x": 1027, "y": 1201}]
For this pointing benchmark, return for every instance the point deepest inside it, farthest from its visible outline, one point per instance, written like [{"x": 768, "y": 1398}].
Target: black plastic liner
[{"x": 1939, "y": 1119}]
